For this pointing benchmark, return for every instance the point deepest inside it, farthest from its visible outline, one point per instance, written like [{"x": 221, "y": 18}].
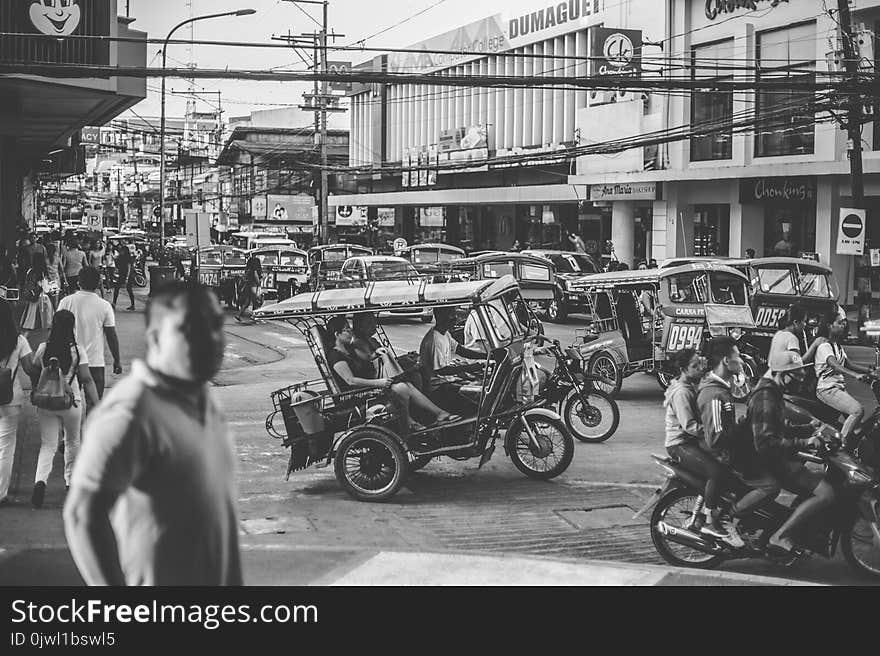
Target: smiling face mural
[{"x": 55, "y": 17}]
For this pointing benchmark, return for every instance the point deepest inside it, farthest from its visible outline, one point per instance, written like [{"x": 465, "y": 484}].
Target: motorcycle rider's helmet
[{"x": 788, "y": 362}]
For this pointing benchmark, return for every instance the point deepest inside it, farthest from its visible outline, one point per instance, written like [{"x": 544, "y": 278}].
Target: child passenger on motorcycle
[{"x": 684, "y": 432}]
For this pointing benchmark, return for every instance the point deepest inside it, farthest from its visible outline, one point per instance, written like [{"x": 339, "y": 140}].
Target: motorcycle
[
  {"x": 853, "y": 523},
  {"x": 590, "y": 414}
]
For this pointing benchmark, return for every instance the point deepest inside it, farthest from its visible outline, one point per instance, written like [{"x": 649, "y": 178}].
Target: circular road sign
[{"x": 852, "y": 226}]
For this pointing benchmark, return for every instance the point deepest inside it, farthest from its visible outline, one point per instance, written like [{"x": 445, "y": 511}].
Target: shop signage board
[
  {"x": 798, "y": 189},
  {"x": 386, "y": 216},
  {"x": 624, "y": 191},
  {"x": 851, "y": 231},
  {"x": 339, "y": 67},
  {"x": 615, "y": 53},
  {"x": 351, "y": 215},
  {"x": 56, "y": 18},
  {"x": 498, "y": 33},
  {"x": 720, "y": 9},
  {"x": 258, "y": 207},
  {"x": 281, "y": 208},
  {"x": 875, "y": 257},
  {"x": 431, "y": 217}
]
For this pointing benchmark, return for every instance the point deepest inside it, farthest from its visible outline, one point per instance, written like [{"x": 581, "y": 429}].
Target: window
[
  {"x": 814, "y": 283},
  {"x": 535, "y": 272},
  {"x": 497, "y": 269},
  {"x": 267, "y": 258},
  {"x": 293, "y": 259},
  {"x": 688, "y": 288},
  {"x": 785, "y": 118},
  {"x": 392, "y": 271},
  {"x": 711, "y": 109},
  {"x": 728, "y": 289},
  {"x": 234, "y": 257},
  {"x": 776, "y": 281},
  {"x": 711, "y": 230}
]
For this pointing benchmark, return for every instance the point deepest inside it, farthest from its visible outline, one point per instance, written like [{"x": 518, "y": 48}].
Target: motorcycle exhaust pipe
[{"x": 687, "y": 538}]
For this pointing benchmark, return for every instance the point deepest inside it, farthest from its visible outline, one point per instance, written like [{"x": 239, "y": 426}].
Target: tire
[
  {"x": 140, "y": 280},
  {"x": 593, "y": 424},
  {"x": 605, "y": 366},
  {"x": 371, "y": 465},
  {"x": 419, "y": 463},
  {"x": 664, "y": 379},
  {"x": 555, "y": 440},
  {"x": 680, "y": 501},
  {"x": 860, "y": 549},
  {"x": 556, "y": 311}
]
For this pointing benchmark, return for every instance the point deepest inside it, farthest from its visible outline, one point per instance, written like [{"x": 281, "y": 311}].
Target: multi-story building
[{"x": 41, "y": 117}]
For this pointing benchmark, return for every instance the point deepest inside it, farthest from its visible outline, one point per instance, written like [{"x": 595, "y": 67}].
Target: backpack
[{"x": 53, "y": 391}]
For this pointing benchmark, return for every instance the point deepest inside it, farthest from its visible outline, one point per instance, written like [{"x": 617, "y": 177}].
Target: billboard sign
[
  {"x": 289, "y": 208},
  {"x": 615, "y": 53},
  {"x": 339, "y": 67},
  {"x": 351, "y": 215}
]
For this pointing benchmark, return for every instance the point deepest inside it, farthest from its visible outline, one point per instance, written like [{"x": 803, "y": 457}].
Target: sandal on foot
[{"x": 450, "y": 419}]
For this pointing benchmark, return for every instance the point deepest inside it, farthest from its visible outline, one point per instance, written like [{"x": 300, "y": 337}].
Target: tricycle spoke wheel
[
  {"x": 371, "y": 465},
  {"x": 593, "y": 421},
  {"x": 550, "y": 456}
]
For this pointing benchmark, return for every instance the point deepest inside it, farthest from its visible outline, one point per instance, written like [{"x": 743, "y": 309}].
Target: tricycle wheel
[
  {"x": 604, "y": 366},
  {"x": 371, "y": 465},
  {"x": 550, "y": 457},
  {"x": 594, "y": 421},
  {"x": 419, "y": 462},
  {"x": 556, "y": 311}
]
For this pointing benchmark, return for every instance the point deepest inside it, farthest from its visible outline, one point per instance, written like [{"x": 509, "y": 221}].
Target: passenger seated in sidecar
[{"x": 350, "y": 372}]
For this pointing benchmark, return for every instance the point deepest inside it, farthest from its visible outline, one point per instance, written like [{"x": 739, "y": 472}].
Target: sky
[{"x": 356, "y": 19}]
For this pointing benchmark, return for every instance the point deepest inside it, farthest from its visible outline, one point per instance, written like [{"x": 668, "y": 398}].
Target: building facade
[{"x": 41, "y": 118}]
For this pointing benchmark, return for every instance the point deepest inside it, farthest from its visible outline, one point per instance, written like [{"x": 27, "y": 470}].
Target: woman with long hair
[
  {"x": 15, "y": 354},
  {"x": 832, "y": 365},
  {"x": 74, "y": 367},
  {"x": 250, "y": 286},
  {"x": 38, "y": 312},
  {"x": 55, "y": 271}
]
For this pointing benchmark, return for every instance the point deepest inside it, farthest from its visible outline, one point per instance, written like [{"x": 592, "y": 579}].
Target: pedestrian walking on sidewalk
[
  {"x": 74, "y": 261},
  {"x": 250, "y": 286},
  {"x": 95, "y": 324},
  {"x": 55, "y": 271},
  {"x": 15, "y": 355},
  {"x": 96, "y": 260},
  {"x": 125, "y": 277},
  {"x": 35, "y": 292},
  {"x": 72, "y": 369},
  {"x": 159, "y": 452}
]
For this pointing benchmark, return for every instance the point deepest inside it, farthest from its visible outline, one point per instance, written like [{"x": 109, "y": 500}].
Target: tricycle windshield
[
  {"x": 509, "y": 318},
  {"x": 779, "y": 280},
  {"x": 293, "y": 259},
  {"x": 335, "y": 255},
  {"x": 698, "y": 287},
  {"x": 391, "y": 271},
  {"x": 816, "y": 284},
  {"x": 234, "y": 258},
  {"x": 432, "y": 255},
  {"x": 492, "y": 270},
  {"x": 269, "y": 258}
]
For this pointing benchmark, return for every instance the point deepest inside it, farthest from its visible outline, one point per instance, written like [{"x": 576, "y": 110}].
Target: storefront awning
[{"x": 533, "y": 194}]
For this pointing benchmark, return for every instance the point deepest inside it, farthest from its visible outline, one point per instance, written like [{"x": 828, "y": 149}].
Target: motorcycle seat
[{"x": 815, "y": 407}]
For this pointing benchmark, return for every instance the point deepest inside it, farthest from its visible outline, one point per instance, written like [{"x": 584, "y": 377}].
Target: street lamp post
[{"x": 239, "y": 12}]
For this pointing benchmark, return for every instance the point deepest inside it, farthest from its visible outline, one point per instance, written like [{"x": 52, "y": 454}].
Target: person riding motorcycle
[
  {"x": 831, "y": 366},
  {"x": 776, "y": 443},
  {"x": 724, "y": 435},
  {"x": 792, "y": 333}
]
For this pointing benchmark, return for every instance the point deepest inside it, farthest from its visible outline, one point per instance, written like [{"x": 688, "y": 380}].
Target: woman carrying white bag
[{"x": 62, "y": 371}]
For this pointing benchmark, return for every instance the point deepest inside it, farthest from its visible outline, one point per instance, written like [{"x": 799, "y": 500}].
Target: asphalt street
[{"x": 288, "y": 525}]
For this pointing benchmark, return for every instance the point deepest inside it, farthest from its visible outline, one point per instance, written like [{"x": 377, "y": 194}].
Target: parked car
[
  {"x": 571, "y": 269},
  {"x": 325, "y": 262},
  {"x": 362, "y": 270}
]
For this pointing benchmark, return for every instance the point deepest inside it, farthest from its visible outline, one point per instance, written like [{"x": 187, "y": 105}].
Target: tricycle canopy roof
[
  {"x": 653, "y": 276},
  {"x": 383, "y": 296},
  {"x": 810, "y": 265},
  {"x": 495, "y": 256},
  {"x": 433, "y": 246},
  {"x": 275, "y": 248}
]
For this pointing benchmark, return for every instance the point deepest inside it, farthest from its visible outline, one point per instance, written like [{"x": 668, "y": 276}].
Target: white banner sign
[
  {"x": 351, "y": 215},
  {"x": 851, "y": 232}
]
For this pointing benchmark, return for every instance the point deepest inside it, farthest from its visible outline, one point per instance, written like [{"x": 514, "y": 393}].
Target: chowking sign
[
  {"x": 615, "y": 52},
  {"x": 777, "y": 190},
  {"x": 715, "y": 8}
]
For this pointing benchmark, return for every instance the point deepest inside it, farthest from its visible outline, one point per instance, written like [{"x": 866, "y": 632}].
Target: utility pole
[
  {"x": 320, "y": 100},
  {"x": 854, "y": 112}
]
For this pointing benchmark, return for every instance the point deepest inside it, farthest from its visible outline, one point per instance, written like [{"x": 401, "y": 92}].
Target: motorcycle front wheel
[
  {"x": 550, "y": 457},
  {"x": 676, "y": 509},
  {"x": 594, "y": 421},
  {"x": 861, "y": 547}
]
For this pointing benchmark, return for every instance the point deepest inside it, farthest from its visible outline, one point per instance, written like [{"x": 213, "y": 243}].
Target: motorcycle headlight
[{"x": 736, "y": 333}]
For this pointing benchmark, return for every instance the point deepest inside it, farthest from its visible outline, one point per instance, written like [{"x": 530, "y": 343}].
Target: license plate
[
  {"x": 768, "y": 317},
  {"x": 684, "y": 336},
  {"x": 210, "y": 278}
]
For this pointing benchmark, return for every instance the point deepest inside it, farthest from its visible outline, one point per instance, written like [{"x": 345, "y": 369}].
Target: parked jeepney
[
  {"x": 641, "y": 319},
  {"x": 285, "y": 270},
  {"x": 219, "y": 267},
  {"x": 357, "y": 428},
  {"x": 325, "y": 263},
  {"x": 571, "y": 268},
  {"x": 536, "y": 275},
  {"x": 432, "y": 259}
]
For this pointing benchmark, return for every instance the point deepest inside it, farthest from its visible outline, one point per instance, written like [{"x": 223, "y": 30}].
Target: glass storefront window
[
  {"x": 711, "y": 108},
  {"x": 777, "y": 281},
  {"x": 789, "y": 230},
  {"x": 711, "y": 230}
]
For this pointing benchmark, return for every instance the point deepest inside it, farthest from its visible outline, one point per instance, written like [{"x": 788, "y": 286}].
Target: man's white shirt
[{"x": 93, "y": 314}]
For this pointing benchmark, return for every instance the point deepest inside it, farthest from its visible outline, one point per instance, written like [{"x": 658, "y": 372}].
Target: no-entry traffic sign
[{"x": 851, "y": 232}]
